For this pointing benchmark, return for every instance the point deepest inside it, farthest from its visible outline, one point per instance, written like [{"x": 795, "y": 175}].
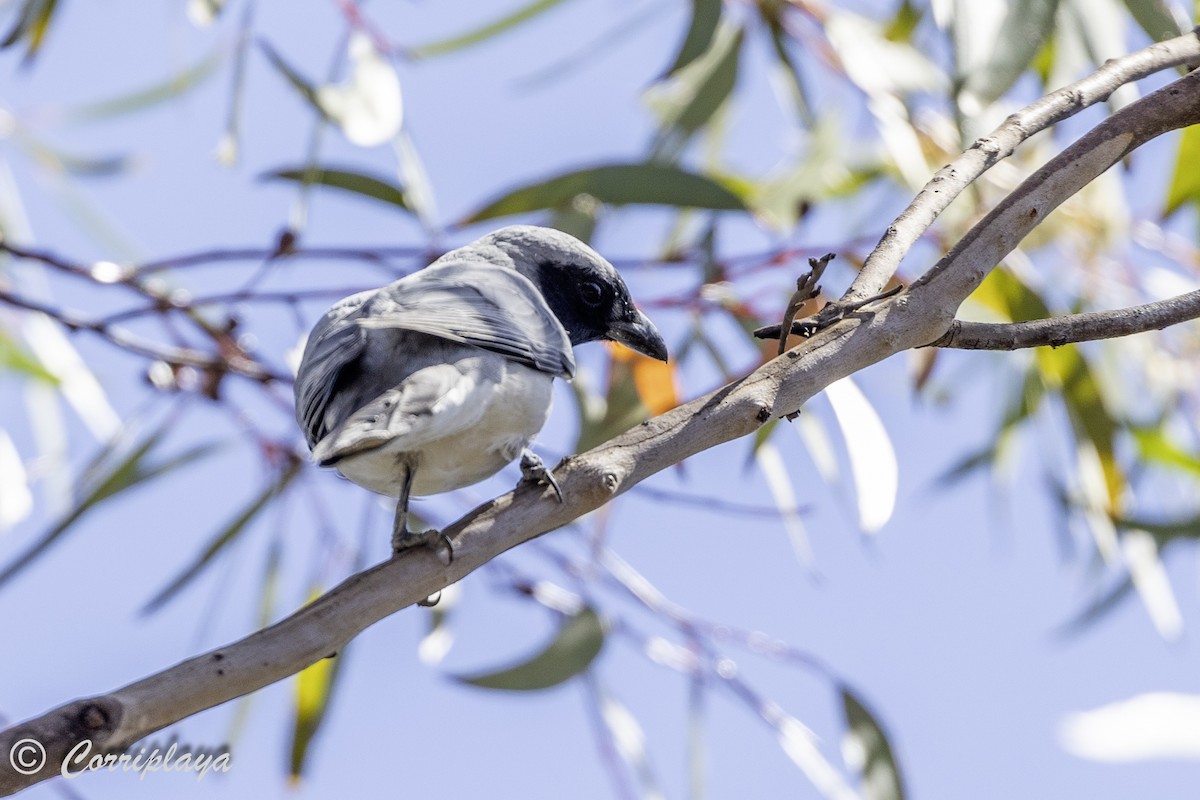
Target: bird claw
[
  {"x": 436, "y": 541},
  {"x": 534, "y": 470}
]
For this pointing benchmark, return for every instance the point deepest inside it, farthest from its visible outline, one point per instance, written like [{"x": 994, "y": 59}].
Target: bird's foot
[
  {"x": 438, "y": 542},
  {"x": 534, "y": 470}
]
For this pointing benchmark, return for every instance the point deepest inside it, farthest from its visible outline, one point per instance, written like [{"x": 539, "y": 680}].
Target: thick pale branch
[
  {"x": 778, "y": 388},
  {"x": 950, "y": 181},
  {"x": 588, "y": 481},
  {"x": 1059, "y": 331}
]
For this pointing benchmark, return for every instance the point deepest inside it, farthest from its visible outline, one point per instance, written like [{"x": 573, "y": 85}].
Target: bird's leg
[
  {"x": 404, "y": 539},
  {"x": 534, "y": 470}
]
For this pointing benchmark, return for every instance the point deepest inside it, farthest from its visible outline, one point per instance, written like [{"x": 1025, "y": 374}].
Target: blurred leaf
[
  {"x": 32, "y": 23},
  {"x": 619, "y": 410},
  {"x": 688, "y": 100},
  {"x": 867, "y": 751},
  {"x": 653, "y": 380},
  {"x": 627, "y": 737},
  {"x": 779, "y": 484},
  {"x": 618, "y": 184},
  {"x": 1098, "y": 608},
  {"x": 705, "y": 16},
  {"x": 298, "y": 82},
  {"x": 1026, "y": 27},
  {"x": 1149, "y": 575},
  {"x": 82, "y": 166},
  {"x": 1185, "y": 182},
  {"x": 102, "y": 482},
  {"x": 224, "y": 537},
  {"x": 1164, "y": 532},
  {"x": 872, "y": 457},
  {"x": 903, "y": 23},
  {"x": 15, "y": 358},
  {"x": 484, "y": 33},
  {"x": 152, "y": 95},
  {"x": 16, "y": 501},
  {"x": 1153, "y": 445},
  {"x": 439, "y": 637},
  {"x": 1156, "y": 19},
  {"x": 418, "y": 192},
  {"x": 790, "y": 72},
  {"x": 1065, "y": 370},
  {"x": 577, "y": 644},
  {"x": 347, "y": 181},
  {"x": 368, "y": 105},
  {"x": 314, "y": 689}
]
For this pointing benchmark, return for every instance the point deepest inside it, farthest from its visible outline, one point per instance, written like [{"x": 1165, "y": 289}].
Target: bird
[{"x": 438, "y": 380}]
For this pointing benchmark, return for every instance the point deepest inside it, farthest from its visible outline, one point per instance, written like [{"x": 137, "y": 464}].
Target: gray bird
[{"x": 438, "y": 380}]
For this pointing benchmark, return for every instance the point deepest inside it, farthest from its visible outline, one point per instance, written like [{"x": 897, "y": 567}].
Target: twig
[
  {"x": 807, "y": 288},
  {"x": 1058, "y": 331},
  {"x": 950, "y": 180}
]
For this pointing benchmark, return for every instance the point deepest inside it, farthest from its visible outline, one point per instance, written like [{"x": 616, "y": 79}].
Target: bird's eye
[{"x": 591, "y": 293}]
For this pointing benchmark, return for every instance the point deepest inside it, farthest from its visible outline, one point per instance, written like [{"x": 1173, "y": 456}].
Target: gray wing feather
[
  {"x": 335, "y": 342},
  {"x": 479, "y": 304}
]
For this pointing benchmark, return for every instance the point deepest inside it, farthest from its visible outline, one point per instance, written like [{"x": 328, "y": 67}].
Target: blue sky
[{"x": 945, "y": 622}]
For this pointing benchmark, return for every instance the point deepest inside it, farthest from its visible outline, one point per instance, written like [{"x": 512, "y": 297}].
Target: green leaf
[
  {"x": 226, "y": 536},
  {"x": 485, "y": 32},
  {"x": 347, "y": 181},
  {"x": 705, "y": 16},
  {"x": 1185, "y": 182},
  {"x": 577, "y": 644},
  {"x": 314, "y": 690},
  {"x": 152, "y": 95},
  {"x": 905, "y": 21},
  {"x": 32, "y": 24},
  {"x": 1156, "y": 19},
  {"x": 298, "y": 82},
  {"x": 15, "y": 357},
  {"x": 690, "y": 99},
  {"x": 619, "y": 411},
  {"x": 1153, "y": 445},
  {"x": 1026, "y": 27},
  {"x": 618, "y": 184},
  {"x": 880, "y": 773},
  {"x": 100, "y": 484}
]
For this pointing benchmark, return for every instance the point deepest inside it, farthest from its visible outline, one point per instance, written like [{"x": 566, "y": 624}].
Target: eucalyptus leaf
[
  {"x": 576, "y": 645},
  {"x": 347, "y": 181},
  {"x": 103, "y": 482},
  {"x": 869, "y": 751},
  {"x": 617, "y": 184},
  {"x": 705, "y": 16},
  {"x": 483, "y": 33}
]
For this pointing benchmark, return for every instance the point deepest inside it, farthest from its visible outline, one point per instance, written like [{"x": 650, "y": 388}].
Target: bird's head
[{"x": 583, "y": 290}]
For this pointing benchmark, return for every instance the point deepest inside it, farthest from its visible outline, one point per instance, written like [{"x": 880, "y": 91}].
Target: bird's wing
[
  {"x": 335, "y": 342},
  {"x": 484, "y": 305},
  {"x": 431, "y": 403}
]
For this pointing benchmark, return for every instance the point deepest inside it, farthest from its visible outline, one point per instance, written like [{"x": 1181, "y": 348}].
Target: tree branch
[
  {"x": 950, "y": 180},
  {"x": 1059, "y": 331},
  {"x": 778, "y": 388}
]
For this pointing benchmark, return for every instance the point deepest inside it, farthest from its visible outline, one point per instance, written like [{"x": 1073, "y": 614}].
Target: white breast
[{"x": 488, "y": 419}]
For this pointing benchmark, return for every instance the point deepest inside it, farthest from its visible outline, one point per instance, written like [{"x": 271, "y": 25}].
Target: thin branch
[
  {"x": 590, "y": 480},
  {"x": 178, "y": 356},
  {"x": 950, "y": 180},
  {"x": 1059, "y": 331},
  {"x": 959, "y": 272}
]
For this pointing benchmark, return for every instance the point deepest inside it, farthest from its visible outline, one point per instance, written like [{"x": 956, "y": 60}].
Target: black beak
[{"x": 638, "y": 333}]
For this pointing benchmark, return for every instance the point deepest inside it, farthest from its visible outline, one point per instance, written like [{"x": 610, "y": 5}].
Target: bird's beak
[{"x": 637, "y": 332}]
